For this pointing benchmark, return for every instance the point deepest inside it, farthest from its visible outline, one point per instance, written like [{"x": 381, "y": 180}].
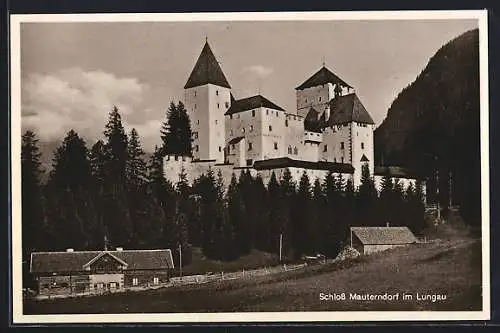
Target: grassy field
[{"x": 451, "y": 268}]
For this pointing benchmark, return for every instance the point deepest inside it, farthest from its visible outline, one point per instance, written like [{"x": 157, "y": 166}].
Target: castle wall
[
  {"x": 237, "y": 153},
  {"x": 362, "y": 143},
  {"x": 333, "y": 139},
  {"x": 317, "y": 97},
  {"x": 296, "y": 174},
  {"x": 293, "y": 138},
  {"x": 273, "y": 127}
]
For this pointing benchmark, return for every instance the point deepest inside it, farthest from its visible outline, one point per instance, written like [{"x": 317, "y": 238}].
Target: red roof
[{"x": 207, "y": 70}]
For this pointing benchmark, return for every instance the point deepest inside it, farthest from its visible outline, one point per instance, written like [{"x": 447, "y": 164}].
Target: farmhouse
[
  {"x": 70, "y": 272},
  {"x": 367, "y": 240}
]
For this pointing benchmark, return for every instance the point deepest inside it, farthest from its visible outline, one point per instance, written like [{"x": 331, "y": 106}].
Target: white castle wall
[
  {"x": 296, "y": 174},
  {"x": 332, "y": 139}
]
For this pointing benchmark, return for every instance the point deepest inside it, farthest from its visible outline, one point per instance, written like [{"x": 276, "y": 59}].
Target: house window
[
  {"x": 220, "y": 149},
  {"x": 251, "y": 128},
  {"x": 286, "y": 122},
  {"x": 112, "y": 285},
  {"x": 249, "y": 146},
  {"x": 253, "y": 113},
  {"x": 362, "y": 145},
  {"x": 249, "y": 162},
  {"x": 156, "y": 280},
  {"x": 276, "y": 146},
  {"x": 270, "y": 128},
  {"x": 325, "y": 148},
  {"x": 342, "y": 145},
  {"x": 196, "y": 148},
  {"x": 216, "y": 93}
]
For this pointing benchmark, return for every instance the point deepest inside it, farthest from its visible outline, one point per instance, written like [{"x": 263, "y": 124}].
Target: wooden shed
[{"x": 367, "y": 240}]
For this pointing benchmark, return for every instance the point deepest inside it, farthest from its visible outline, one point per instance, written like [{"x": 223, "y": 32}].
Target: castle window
[
  {"x": 290, "y": 150},
  {"x": 135, "y": 281},
  {"x": 306, "y": 100},
  {"x": 270, "y": 128},
  {"x": 253, "y": 113},
  {"x": 230, "y": 132},
  {"x": 156, "y": 280},
  {"x": 220, "y": 149},
  {"x": 276, "y": 146},
  {"x": 342, "y": 159},
  {"x": 277, "y": 114},
  {"x": 251, "y": 128},
  {"x": 342, "y": 145},
  {"x": 295, "y": 150},
  {"x": 216, "y": 121},
  {"x": 249, "y": 162},
  {"x": 243, "y": 129},
  {"x": 195, "y": 135},
  {"x": 216, "y": 93},
  {"x": 227, "y": 105},
  {"x": 195, "y": 106},
  {"x": 232, "y": 146},
  {"x": 230, "y": 116},
  {"x": 267, "y": 112},
  {"x": 286, "y": 123},
  {"x": 217, "y": 105},
  {"x": 198, "y": 122},
  {"x": 195, "y": 93},
  {"x": 320, "y": 98},
  {"x": 325, "y": 148},
  {"x": 196, "y": 148},
  {"x": 249, "y": 146},
  {"x": 362, "y": 145}
]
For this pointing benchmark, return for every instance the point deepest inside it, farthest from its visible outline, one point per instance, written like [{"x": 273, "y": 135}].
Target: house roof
[
  {"x": 323, "y": 76},
  {"x": 236, "y": 140},
  {"x": 207, "y": 70},
  {"x": 286, "y": 162},
  {"x": 393, "y": 171},
  {"x": 250, "y": 103},
  {"x": 348, "y": 108},
  {"x": 53, "y": 262},
  {"x": 384, "y": 235}
]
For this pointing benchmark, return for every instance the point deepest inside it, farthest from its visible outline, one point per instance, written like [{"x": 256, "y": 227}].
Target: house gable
[{"x": 105, "y": 262}]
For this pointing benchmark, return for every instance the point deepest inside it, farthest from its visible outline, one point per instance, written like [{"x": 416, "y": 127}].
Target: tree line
[{"x": 112, "y": 195}]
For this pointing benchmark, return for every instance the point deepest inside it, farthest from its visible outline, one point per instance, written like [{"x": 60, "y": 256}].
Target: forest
[{"x": 110, "y": 195}]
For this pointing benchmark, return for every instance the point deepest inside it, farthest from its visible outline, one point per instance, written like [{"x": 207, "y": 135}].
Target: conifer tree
[
  {"x": 263, "y": 237},
  {"x": 330, "y": 229},
  {"x": 366, "y": 198},
  {"x": 317, "y": 219},
  {"x": 277, "y": 213},
  {"x": 35, "y": 229},
  {"x": 287, "y": 188},
  {"x": 136, "y": 166},
  {"x": 72, "y": 209},
  {"x": 245, "y": 236},
  {"x": 233, "y": 231},
  {"x": 386, "y": 201},
  {"x": 176, "y": 131},
  {"x": 301, "y": 232}
]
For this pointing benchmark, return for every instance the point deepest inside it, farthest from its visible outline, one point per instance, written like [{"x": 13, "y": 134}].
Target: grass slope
[{"x": 452, "y": 268}]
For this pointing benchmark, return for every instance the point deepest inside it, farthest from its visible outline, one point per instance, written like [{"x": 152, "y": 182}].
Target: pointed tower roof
[
  {"x": 206, "y": 70},
  {"x": 347, "y": 108},
  {"x": 323, "y": 76}
]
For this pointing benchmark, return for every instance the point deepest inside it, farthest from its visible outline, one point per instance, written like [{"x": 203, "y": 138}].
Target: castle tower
[
  {"x": 207, "y": 96},
  {"x": 317, "y": 91}
]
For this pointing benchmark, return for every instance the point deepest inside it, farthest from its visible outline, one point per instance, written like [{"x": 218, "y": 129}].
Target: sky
[{"x": 73, "y": 73}]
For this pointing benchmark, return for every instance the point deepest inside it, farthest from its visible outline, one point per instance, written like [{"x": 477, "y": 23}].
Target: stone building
[{"x": 330, "y": 130}]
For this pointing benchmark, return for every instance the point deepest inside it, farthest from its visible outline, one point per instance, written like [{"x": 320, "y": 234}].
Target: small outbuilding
[{"x": 368, "y": 240}]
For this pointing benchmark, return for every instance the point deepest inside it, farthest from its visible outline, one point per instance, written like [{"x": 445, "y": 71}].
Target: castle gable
[
  {"x": 207, "y": 70},
  {"x": 250, "y": 103},
  {"x": 348, "y": 108}
]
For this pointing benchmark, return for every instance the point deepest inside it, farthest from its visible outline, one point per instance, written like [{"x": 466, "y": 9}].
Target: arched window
[
  {"x": 290, "y": 150},
  {"x": 295, "y": 150}
]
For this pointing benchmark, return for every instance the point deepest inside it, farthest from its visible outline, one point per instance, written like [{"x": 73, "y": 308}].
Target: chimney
[
  {"x": 119, "y": 249},
  {"x": 70, "y": 250}
]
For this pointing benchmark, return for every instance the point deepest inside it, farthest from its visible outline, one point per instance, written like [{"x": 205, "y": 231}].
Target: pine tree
[
  {"x": 317, "y": 219},
  {"x": 176, "y": 132},
  {"x": 246, "y": 235},
  {"x": 232, "y": 231},
  {"x": 330, "y": 225},
  {"x": 98, "y": 160},
  {"x": 386, "y": 201},
  {"x": 263, "y": 237},
  {"x": 277, "y": 214},
  {"x": 72, "y": 208},
  {"x": 136, "y": 166},
  {"x": 367, "y": 199},
  {"x": 35, "y": 230},
  {"x": 301, "y": 233},
  {"x": 287, "y": 188},
  {"x": 116, "y": 148}
]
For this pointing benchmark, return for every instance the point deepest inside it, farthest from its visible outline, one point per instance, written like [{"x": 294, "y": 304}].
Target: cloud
[
  {"x": 81, "y": 100},
  {"x": 258, "y": 70}
]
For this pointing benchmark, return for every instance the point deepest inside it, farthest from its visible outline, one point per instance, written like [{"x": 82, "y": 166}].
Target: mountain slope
[{"x": 433, "y": 124}]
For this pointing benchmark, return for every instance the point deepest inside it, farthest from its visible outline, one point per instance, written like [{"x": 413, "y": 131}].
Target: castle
[{"x": 330, "y": 130}]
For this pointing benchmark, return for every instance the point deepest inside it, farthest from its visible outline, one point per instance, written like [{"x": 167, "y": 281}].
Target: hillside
[
  {"x": 433, "y": 124},
  {"x": 448, "y": 267}
]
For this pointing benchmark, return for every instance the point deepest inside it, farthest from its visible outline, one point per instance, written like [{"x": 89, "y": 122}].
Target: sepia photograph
[{"x": 250, "y": 167}]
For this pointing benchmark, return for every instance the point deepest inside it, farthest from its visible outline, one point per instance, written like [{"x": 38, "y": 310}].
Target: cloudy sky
[{"x": 73, "y": 73}]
